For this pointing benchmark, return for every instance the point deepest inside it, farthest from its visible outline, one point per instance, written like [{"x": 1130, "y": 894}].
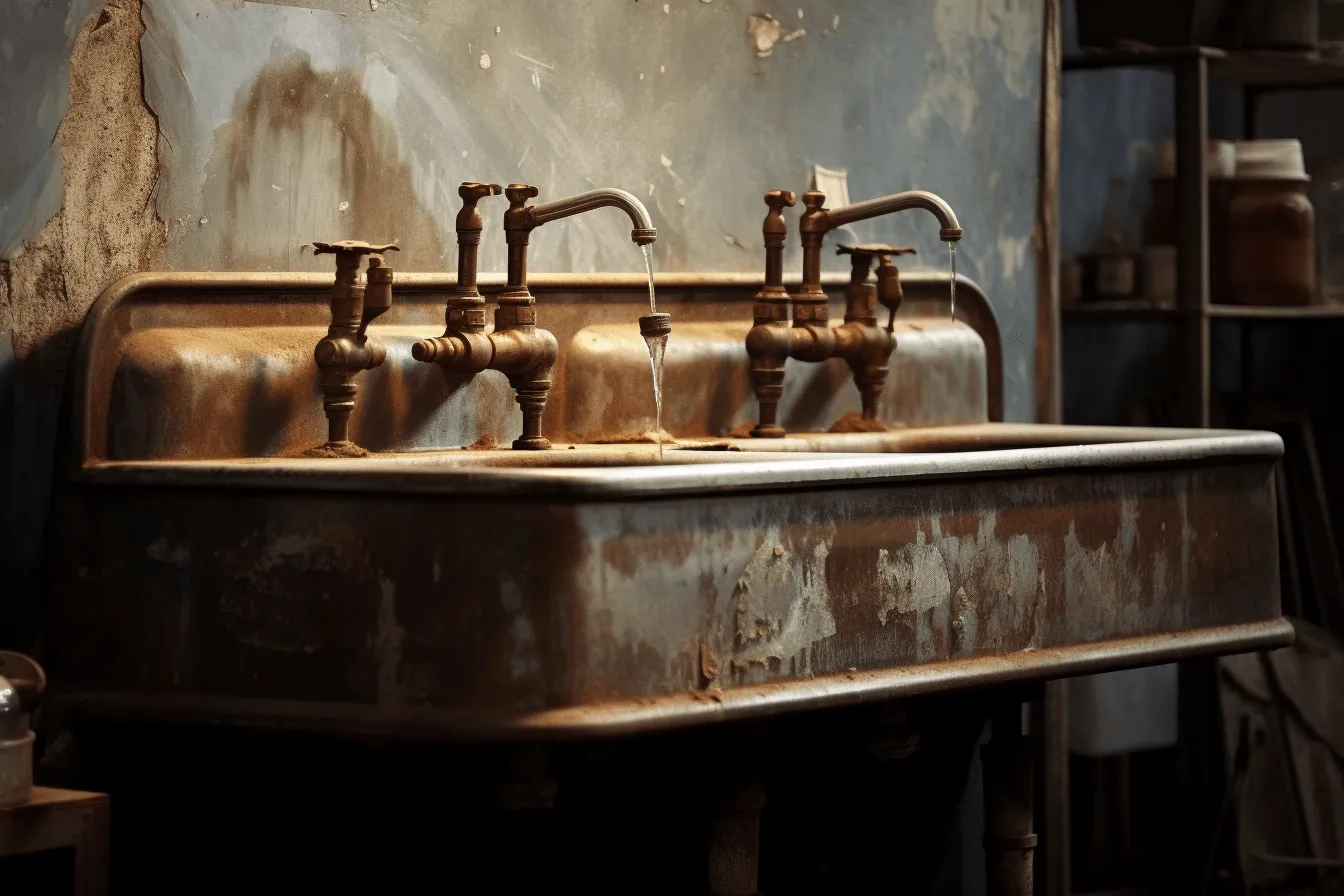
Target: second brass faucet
[
  {"x": 516, "y": 347},
  {"x": 773, "y": 339}
]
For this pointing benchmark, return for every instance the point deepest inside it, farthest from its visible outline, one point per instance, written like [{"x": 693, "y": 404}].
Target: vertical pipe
[
  {"x": 1192, "y": 214},
  {"x": 735, "y": 837},
  {"x": 1010, "y": 842},
  {"x": 1049, "y": 400},
  {"x": 1050, "y": 732},
  {"x": 1200, "y": 763}
]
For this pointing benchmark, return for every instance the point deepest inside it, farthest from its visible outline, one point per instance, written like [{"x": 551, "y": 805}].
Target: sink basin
[{"x": 597, "y": 589}]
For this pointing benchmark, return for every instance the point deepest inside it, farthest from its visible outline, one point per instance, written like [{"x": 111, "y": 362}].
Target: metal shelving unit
[
  {"x": 1257, "y": 72},
  {"x": 1194, "y": 68}
]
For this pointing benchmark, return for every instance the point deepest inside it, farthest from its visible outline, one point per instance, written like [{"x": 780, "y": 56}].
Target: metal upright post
[
  {"x": 1197, "y": 680},
  {"x": 1192, "y": 213}
]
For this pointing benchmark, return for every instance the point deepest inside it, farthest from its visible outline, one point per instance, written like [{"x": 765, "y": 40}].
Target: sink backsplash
[{"x": 212, "y": 368}]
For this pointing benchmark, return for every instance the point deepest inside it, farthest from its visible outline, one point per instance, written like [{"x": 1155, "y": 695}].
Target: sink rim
[{"x": 472, "y": 473}]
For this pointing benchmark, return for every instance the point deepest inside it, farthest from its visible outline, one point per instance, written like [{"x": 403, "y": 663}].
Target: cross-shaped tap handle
[
  {"x": 472, "y": 193},
  {"x": 519, "y": 194},
  {"x": 889, "y": 291},
  {"x": 778, "y": 200}
]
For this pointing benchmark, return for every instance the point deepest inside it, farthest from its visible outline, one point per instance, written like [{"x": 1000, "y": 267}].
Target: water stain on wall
[{"x": 308, "y": 157}]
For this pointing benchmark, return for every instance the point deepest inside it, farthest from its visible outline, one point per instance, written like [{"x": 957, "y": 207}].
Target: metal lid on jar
[{"x": 1270, "y": 160}]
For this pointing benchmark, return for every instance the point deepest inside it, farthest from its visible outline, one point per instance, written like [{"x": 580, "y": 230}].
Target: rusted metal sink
[{"x": 208, "y": 573}]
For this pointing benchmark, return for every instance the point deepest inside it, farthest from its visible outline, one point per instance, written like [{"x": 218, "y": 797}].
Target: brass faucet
[
  {"x": 867, "y": 348},
  {"x": 346, "y": 349},
  {"x": 517, "y": 347}
]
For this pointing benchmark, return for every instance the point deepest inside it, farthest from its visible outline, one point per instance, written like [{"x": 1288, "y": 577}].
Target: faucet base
[
  {"x": 767, "y": 431},
  {"x": 344, "y": 448},
  {"x": 534, "y": 443}
]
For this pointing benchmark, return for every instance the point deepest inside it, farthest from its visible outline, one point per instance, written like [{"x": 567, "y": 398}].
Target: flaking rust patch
[
  {"x": 106, "y": 227},
  {"x": 782, "y": 603},
  {"x": 914, "y": 579},
  {"x": 709, "y": 666}
]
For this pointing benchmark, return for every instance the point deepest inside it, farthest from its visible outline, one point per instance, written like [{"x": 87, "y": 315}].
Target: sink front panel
[{"x": 497, "y": 614}]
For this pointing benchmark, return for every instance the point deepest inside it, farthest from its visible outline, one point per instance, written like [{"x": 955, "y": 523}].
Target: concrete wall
[{"x": 201, "y": 134}]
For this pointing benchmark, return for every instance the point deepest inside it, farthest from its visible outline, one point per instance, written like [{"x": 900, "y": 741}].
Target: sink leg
[
  {"x": 735, "y": 836},
  {"x": 1010, "y": 842}
]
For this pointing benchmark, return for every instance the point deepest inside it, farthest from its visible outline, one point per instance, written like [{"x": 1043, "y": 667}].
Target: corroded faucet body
[
  {"x": 866, "y": 347},
  {"x": 517, "y": 347},
  {"x": 347, "y": 349}
]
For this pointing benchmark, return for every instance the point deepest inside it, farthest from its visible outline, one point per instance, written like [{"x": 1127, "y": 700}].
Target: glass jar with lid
[{"x": 1271, "y": 227}]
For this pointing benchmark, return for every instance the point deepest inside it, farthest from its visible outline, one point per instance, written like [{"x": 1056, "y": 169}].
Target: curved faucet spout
[
  {"x": 817, "y": 221},
  {"x": 950, "y": 230},
  {"x": 642, "y": 230}
]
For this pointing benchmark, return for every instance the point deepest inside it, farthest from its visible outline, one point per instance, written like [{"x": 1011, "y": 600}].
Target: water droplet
[
  {"x": 657, "y": 347},
  {"x": 485, "y": 60},
  {"x": 657, "y": 350},
  {"x": 952, "y": 283},
  {"x": 648, "y": 266},
  {"x": 344, "y": 206}
]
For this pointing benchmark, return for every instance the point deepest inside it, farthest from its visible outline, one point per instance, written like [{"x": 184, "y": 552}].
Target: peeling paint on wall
[
  {"x": 106, "y": 227},
  {"x": 1013, "y": 251},
  {"x": 1005, "y": 32}
]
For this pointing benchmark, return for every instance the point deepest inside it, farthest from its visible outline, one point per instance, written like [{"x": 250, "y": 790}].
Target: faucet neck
[
  {"x": 772, "y": 302},
  {"x": 810, "y": 302},
  {"x": 519, "y": 222},
  {"x": 347, "y": 296},
  {"x": 465, "y": 310},
  {"x": 813, "y": 226}
]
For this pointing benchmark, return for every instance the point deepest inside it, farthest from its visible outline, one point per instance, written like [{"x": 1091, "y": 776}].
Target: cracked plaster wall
[
  {"x": 264, "y": 126},
  {"x": 227, "y": 135}
]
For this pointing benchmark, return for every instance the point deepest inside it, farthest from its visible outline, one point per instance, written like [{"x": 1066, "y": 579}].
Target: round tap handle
[
  {"x": 471, "y": 192},
  {"x": 814, "y": 200},
  {"x": 519, "y": 193},
  {"x": 778, "y": 200},
  {"x": 358, "y": 247},
  {"x": 874, "y": 250}
]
